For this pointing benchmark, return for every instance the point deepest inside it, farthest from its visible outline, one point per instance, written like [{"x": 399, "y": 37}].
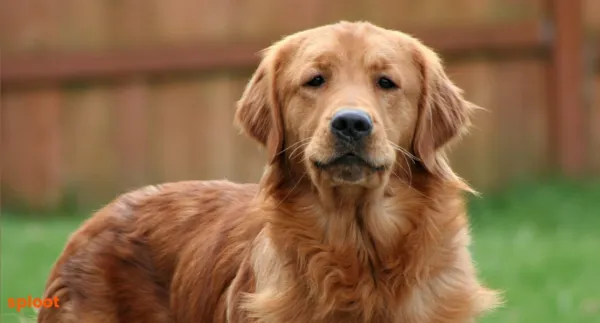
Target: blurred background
[{"x": 103, "y": 96}]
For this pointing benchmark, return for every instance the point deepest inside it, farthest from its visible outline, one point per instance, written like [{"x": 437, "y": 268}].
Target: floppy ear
[
  {"x": 258, "y": 111},
  {"x": 443, "y": 114}
]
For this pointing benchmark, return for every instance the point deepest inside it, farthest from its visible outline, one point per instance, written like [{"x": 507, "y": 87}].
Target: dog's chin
[{"x": 348, "y": 169}]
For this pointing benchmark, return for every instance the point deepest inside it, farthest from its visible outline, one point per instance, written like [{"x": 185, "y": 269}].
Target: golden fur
[{"x": 387, "y": 243}]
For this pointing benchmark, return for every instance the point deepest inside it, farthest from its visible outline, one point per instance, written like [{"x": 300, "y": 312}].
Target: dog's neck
[
  {"x": 344, "y": 217},
  {"x": 378, "y": 239},
  {"x": 363, "y": 238}
]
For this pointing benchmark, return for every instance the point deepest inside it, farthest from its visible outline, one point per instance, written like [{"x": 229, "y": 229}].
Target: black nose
[{"x": 351, "y": 124}]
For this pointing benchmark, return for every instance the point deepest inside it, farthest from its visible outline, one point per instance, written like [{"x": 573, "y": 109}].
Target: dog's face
[{"x": 350, "y": 102}]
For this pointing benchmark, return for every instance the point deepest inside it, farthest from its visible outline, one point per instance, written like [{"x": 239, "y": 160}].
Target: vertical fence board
[
  {"x": 254, "y": 20},
  {"x": 567, "y": 66},
  {"x": 515, "y": 116},
  {"x": 594, "y": 125},
  {"x": 213, "y": 132},
  {"x": 135, "y": 21},
  {"x": 131, "y": 133},
  {"x": 90, "y": 153},
  {"x": 292, "y": 18},
  {"x": 185, "y": 21},
  {"x": 534, "y": 113},
  {"x": 174, "y": 104},
  {"x": 386, "y": 13},
  {"x": 471, "y": 157},
  {"x": 31, "y": 147},
  {"x": 508, "y": 140},
  {"x": 29, "y": 26},
  {"x": 86, "y": 25},
  {"x": 591, "y": 11}
]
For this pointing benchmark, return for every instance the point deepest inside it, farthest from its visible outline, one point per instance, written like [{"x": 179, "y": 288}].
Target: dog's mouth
[{"x": 349, "y": 159}]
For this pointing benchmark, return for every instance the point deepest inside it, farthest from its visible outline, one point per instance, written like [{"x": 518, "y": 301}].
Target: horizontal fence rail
[{"x": 28, "y": 71}]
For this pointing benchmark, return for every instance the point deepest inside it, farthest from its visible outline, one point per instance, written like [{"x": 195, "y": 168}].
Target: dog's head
[{"x": 349, "y": 102}]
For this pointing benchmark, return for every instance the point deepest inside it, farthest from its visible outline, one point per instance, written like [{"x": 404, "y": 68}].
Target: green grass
[{"x": 539, "y": 243}]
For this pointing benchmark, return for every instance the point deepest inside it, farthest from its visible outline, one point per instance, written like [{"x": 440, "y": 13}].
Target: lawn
[{"x": 539, "y": 243}]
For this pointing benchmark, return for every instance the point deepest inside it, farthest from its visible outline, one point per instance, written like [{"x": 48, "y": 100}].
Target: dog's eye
[
  {"x": 386, "y": 84},
  {"x": 316, "y": 81}
]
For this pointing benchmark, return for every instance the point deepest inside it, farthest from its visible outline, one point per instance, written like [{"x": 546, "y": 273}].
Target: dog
[{"x": 358, "y": 216}]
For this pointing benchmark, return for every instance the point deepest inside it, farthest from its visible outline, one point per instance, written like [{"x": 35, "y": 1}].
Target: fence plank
[
  {"x": 185, "y": 21},
  {"x": 135, "y": 21},
  {"x": 473, "y": 156},
  {"x": 90, "y": 150},
  {"x": 131, "y": 132},
  {"x": 591, "y": 10},
  {"x": 29, "y": 26},
  {"x": 31, "y": 147},
  {"x": 86, "y": 25},
  {"x": 519, "y": 116},
  {"x": 174, "y": 102},
  {"x": 534, "y": 112},
  {"x": 595, "y": 128},
  {"x": 567, "y": 117},
  {"x": 213, "y": 132}
]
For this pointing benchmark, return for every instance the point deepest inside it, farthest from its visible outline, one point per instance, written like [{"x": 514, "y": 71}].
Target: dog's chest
[
  {"x": 357, "y": 287},
  {"x": 329, "y": 287}
]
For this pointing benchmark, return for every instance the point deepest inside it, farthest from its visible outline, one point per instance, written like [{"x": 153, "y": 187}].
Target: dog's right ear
[{"x": 259, "y": 111}]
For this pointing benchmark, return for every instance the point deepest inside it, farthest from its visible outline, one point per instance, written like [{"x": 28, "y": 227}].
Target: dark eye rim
[
  {"x": 316, "y": 81},
  {"x": 386, "y": 83}
]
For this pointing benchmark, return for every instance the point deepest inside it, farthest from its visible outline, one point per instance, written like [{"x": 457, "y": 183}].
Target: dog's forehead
[{"x": 354, "y": 42}]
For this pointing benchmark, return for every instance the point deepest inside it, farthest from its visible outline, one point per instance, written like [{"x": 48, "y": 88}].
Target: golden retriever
[{"x": 357, "y": 218}]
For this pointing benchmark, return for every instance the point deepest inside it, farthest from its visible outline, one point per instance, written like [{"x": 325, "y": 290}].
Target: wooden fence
[{"x": 102, "y": 96}]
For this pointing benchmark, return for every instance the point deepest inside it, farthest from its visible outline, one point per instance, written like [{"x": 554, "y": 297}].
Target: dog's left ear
[
  {"x": 258, "y": 111},
  {"x": 443, "y": 113}
]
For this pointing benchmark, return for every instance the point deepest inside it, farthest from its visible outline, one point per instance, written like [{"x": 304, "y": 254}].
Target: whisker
[
  {"x": 290, "y": 191},
  {"x": 410, "y": 186},
  {"x": 295, "y": 144},
  {"x": 414, "y": 189},
  {"x": 403, "y": 151},
  {"x": 407, "y": 169},
  {"x": 299, "y": 149},
  {"x": 400, "y": 149}
]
